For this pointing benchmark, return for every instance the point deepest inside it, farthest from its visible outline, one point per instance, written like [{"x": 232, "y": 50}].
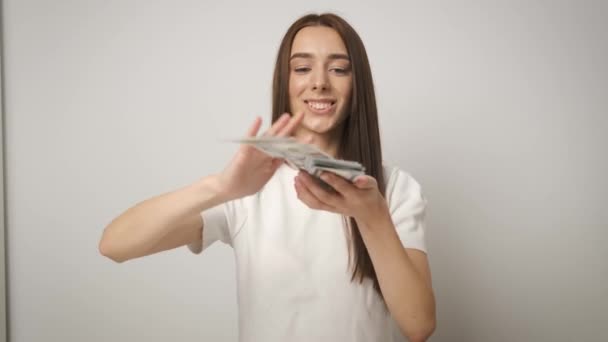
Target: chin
[
  {"x": 320, "y": 128},
  {"x": 318, "y": 125}
]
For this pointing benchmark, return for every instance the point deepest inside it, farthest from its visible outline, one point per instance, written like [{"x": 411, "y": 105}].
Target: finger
[
  {"x": 320, "y": 193},
  {"x": 253, "y": 129},
  {"x": 365, "y": 182},
  {"x": 340, "y": 184},
  {"x": 291, "y": 126},
  {"x": 278, "y": 125},
  {"x": 306, "y": 196}
]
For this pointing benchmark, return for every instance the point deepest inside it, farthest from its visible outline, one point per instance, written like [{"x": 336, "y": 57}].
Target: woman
[{"x": 313, "y": 265}]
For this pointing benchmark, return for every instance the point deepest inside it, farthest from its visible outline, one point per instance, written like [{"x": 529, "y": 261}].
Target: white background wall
[{"x": 499, "y": 109}]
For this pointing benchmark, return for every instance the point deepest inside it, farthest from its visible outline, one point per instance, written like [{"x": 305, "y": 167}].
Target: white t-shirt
[{"x": 293, "y": 274}]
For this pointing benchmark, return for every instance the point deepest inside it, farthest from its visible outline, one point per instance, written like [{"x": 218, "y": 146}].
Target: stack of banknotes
[{"x": 305, "y": 157}]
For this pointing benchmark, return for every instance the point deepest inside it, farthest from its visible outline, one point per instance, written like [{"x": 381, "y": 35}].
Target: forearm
[
  {"x": 407, "y": 293},
  {"x": 135, "y": 232}
]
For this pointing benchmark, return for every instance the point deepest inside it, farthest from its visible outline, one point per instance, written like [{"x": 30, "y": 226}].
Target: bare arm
[
  {"x": 160, "y": 223},
  {"x": 173, "y": 219},
  {"x": 404, "y": 277},
  {"x": 403, "y": 273}
]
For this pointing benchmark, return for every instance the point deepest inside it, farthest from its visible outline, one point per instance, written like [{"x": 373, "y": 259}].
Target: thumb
[
  {"x": 365, "y": 182},
  {"x": 276, "y": 163}
]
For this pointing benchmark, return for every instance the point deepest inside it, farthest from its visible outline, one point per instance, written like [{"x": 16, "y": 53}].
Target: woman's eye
[
  {"x": 340, "y": 71},
  {"x": 301, "y": 69}
]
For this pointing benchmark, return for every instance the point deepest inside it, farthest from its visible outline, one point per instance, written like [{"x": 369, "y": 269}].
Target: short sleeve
[
  {"x": 218, "y": 225},
  {"x": 407, "y": 206}
]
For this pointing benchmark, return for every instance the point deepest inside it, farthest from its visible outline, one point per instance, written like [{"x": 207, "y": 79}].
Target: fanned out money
[{"x": 305, "y": 157}]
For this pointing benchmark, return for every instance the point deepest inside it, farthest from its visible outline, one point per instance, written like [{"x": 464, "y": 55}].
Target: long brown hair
[{"x": 360, "y": 138}]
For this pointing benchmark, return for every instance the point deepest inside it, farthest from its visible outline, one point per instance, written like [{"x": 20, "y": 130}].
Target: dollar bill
[{"x": 305, "y": 157}]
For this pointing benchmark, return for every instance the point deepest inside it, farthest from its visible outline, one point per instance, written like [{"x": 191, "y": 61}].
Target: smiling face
[{"x": 320, "y": 83}]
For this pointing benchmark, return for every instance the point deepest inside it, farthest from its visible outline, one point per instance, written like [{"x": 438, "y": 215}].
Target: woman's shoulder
[{"x": 399, "y": 182}]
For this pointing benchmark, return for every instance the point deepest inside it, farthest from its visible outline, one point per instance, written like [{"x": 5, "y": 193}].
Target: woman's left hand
[{"x": 360, "y": 199}]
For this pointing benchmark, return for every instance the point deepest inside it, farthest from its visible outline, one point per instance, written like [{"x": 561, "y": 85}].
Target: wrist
[
  {"x": 211, "y": 190},
  {"x": 374, "y": 220}
]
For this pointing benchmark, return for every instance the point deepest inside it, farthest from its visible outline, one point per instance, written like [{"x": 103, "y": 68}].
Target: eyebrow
[{"x": 309, "y": 55}]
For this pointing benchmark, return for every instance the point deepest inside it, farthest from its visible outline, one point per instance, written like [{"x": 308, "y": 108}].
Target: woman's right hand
[{"x": 250, "y": 169}]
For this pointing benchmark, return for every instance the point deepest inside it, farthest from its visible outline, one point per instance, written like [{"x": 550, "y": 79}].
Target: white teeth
[{"x": 319, "y": 105}]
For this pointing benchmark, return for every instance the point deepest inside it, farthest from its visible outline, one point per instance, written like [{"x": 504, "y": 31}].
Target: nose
[{"x": 320, "y": 81}]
